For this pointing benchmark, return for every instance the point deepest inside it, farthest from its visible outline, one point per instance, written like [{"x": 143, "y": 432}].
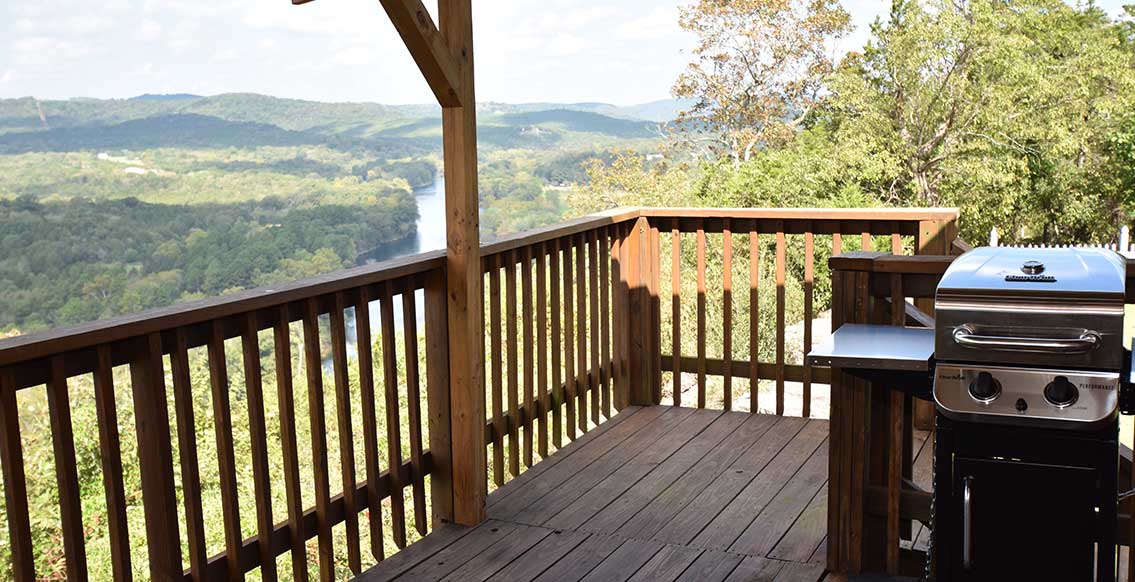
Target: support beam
[
  {"x": 463, "y": 274},
  {"x": 429, "y": 50}
]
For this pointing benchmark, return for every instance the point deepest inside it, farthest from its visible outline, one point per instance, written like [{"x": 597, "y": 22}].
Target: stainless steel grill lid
[{"x": 1049, "y": 307}]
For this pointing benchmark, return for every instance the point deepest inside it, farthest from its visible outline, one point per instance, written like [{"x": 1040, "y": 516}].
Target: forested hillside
[{"x": 113, "y": 206}]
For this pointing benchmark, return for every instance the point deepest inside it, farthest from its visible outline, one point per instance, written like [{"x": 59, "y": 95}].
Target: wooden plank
[
  {"x": 497, "y": 373},
  {"x": 780, "y": 331},
  {"x": 463, "y": 273},
  {"x": 581, "y": 560},
  {"x": 282, "y": 342},
  {"x": 438, "y": 540},
  {"x": 437, "y": 400},
  {"x": 314, "y": 371},
  {"x": 497, "y": 556},
  {"x": 895, "y": 441},
  {"x": 515, "y": 504},
  {"x": 631, "y": 556},
  {"x": 755, "y": 569},
  {"x": 540, "y": 557},
  {"x": 800, "y": 542},
  {"x": 582, "y": 385},
  {"x": 701, "y": 314},
  {"x": 414, "y": 403},
  {"x": 469, "y": 546},
  {"x": 512, "y": 364},
  {"x": 66, "y": 473},
  {"x": 637, "y": 448},
  {"x": 775, "y": 452},
  {"x": 809, "y": 292},
  {"x": 727, "y": 314},
  {"x": 676, "y": 311},
  {"x": 393, "y": 417},
  {"x": 667, "y": 565},
  {"x": 765, "y": 371},
  {"x": 657, "y": 512},
  {"x": 543, "y": 396},
  {"x": 621, "y": 320},
  {"x": 226, "y": 458},
  {"x": 110, "y": 455},
  {"x": 637, "y": 495},
  {"x": 258, "y": 435},
  {"x": 711, "y": 567},
  {"x": 762, "y": 487},
  {"x": 605, "y": 285},
  {"x": 346, "y": 429},
  {"x": 569, "y": 340},
  {"x": 782, "y": 511},
  {"x": 526, "y": 341},
  {"x": 593, "y": 329},
  {"x": 187, "y": 452},
  {"x": 155, "y": 459},
  {"x": 793, "y": 572},
  {"x": 556, "y": 404},
  {"x": 559, "y": 455},
  {"x": 754, "y": 319},
  {"x": 365, "y": 353},
  {"x": 642, "y": 338},
  {"x": 651, "y": 467}
]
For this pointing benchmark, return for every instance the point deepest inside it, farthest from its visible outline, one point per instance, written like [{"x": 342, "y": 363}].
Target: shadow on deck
[{"x": 655, "y": 494}]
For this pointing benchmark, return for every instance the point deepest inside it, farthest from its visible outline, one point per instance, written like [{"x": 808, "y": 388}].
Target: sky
[{"x": 614, "y": 51}]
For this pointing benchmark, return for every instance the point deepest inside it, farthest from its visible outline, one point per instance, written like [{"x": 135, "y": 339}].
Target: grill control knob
[
  {"x": 1061, "y": 392},
  {"x": 985, "y": 387}
]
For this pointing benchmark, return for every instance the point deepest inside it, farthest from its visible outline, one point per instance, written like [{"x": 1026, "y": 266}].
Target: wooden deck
[{"x": 655, "y": 494}]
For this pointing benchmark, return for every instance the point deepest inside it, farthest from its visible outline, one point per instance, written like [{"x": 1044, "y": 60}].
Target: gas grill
[
  {"x": 1029, "y": 355},
  {"x": 1028, "y": 373}
]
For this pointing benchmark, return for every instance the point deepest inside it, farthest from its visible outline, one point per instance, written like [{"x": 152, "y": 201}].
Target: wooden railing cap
[{"x": 880, "y": 262}]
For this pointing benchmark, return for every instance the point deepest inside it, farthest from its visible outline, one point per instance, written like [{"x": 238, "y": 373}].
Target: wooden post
[
  {"x": 935, "y": 237},
  {"x": 463, "y": 273},
  {"x": 437, "y": 387},
  {"x": 643, "y": 337}
]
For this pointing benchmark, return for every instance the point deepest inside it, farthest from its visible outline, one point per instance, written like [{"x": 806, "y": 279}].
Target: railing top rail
[
  {"x": 879, "y": 262},
  {"x": 559, "y": 230},
  {"x": 55, "y": 341},
  {"x": 872, "y": 214}
]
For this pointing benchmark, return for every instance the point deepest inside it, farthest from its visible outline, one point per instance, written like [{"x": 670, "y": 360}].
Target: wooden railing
[{"x": 575, "y": 330}]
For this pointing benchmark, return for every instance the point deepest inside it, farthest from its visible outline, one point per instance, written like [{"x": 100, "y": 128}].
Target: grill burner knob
[
  {"x": 985, "y": 387},
  {"x": 1061, "y": 392}
]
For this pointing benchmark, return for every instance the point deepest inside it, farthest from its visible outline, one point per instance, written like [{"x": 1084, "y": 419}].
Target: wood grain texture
[
  {"x": 414, "y": 404},
  {"x": 285, "y": 394},
  {"x": 496, "y": 358},
  {"x": 313, "y": 365},
  {"x": 701, "y": 342},
  {"x": 66, "y": 473},
  {"x": 187, "y": 452},
  {"x": 557, "y": 369},
  {"x": 727, "y": 314},
  {"x": 110, "y": 455},
  {"x": 226, "y": 458},
  {"x": 676, "y": 312},
  {"x": 346, "y": 428},
  {"x": 512, "y": 363},
  {"x": 526, "y": 343},
  {"x": 393, "y": 417},
  {"x": 15, "y": 483},
  {"x": 569, "y": 338},
  {"x": 543, "y": 394}
]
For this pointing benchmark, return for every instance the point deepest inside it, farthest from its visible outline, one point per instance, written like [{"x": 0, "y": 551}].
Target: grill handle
[
  {"x": 1089, "y": 340},
  {"x": 967, "y": 523}
]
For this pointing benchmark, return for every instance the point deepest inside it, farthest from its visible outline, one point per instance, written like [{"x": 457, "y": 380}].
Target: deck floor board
[{"x": 655, "y": 494}]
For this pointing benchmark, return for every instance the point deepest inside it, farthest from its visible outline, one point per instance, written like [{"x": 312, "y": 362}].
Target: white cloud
[
  {"x": 659, "y": 23},
  {"x": 8, "y": 76},
  {"x": 150, "y": 29}
]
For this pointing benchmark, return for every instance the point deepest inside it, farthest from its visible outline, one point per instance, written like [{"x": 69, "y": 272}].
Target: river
[{"x": 430, "y": 236}]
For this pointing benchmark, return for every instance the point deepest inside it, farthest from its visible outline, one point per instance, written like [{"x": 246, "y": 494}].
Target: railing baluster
[
  {"x": 155, "y": 460},
  {"x": 865, "y": 239},
  {"x": 110, "y": 454},
  {"x": 499, "y": 428},
  {"x": 896, "y": 239},
  {"x": 593, "y": 312},
  {"x": 414, "y": 403},
  {"x": 569, "y": 340},
  {"x": 780, "y": 332},
  {"x": 393, "y": 420},
  {"x": 554, "y": 281},
  {"x": 365, "y": 349},
  {"x": 187, "y": 443},
  {"x": 66, "y": 473},
  {"x": 438, "y": 397},
  {"x": 676, "y": 310},
  {"x": 258, "y": 433},
  {"x": 526, "y": 344},
  {"x": 727, "y": 313},
  {"x": 314, "y": 369},
  {"x": 512, "y": 365},
  {"x": 604, "y": 258},
  {"x": 346, "y": 431},
  {"x": 701, "y": 314},
  {"x": 581, "y": 377},
  {"x": 226, "y": 461},
  {"x": 282, "y": 344},
  {"x": 619, "y": 314},
  {"x": 754, "y": 318},
  {"x": 542, "y": 396},
  {"x": 895, "y": 448},
  {"x": 809, "y": 291},
  {"x": 15, "y": 485}
]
